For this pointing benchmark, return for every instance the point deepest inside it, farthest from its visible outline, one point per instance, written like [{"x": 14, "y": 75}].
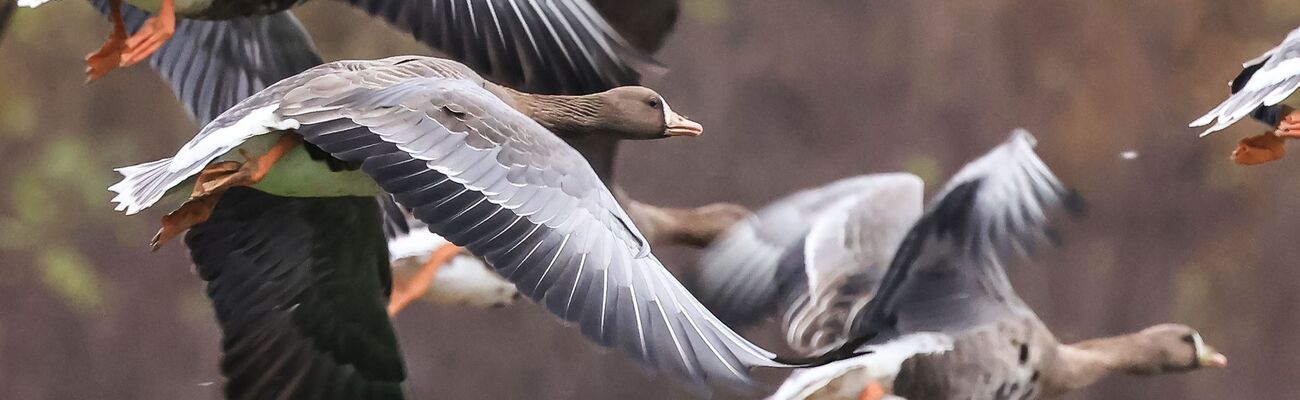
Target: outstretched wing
[
  {"x": 538, "y": 46},
  {"x": 488, "y": 178},
  {"x": 739, "y": 276},
  {"x": 299, "y": 286},
  {"x": 948, "y": 273},
  {"x": 843, "y": 258},
  {"x": 1264, "y": 82},
  {"x": 212, "y": 65}
]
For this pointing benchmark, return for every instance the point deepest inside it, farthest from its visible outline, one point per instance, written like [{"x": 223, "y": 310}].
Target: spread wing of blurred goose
[
  {"x": 538, "y": 45},
  {"x": 644, "y": 24},
  {"x": 945, "y": 321},
  {"x": 480, "y": 165},
  {"x": 835, "y": 269},
  {"x": 739, "y": 274},
  {"x": 1265, "y": 91}
]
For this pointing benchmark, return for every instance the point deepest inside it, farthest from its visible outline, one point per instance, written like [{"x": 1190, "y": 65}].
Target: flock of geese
[{"x": 320, "y": 198}]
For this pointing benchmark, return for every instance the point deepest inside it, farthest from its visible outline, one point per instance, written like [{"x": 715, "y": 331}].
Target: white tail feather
[{"x": 141, "y": 185}]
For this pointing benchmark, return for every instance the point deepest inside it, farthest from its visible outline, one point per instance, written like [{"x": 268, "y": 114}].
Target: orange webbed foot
[
  {"x": 410, "y": 287},
  {"x": 109, "y": 56},
  {"x": 106, "y": 58},
  {"x": 152, "y": 34},
  {"x": 214, "y": 180},
  {"x": 189, "y": 214},
  {"x": 1289, "y": 127},
  {"x": 873, "y": 391},
  {"x": 1259, "y": 149}
]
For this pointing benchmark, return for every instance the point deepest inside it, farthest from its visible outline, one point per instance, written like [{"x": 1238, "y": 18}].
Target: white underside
[
  {"x": 31, "y": 3},
  {"x": 466, "y": 280},
  {"x": 846, "y": 379}
]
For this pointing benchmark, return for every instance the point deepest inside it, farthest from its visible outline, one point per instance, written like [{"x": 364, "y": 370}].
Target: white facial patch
[
  {"x": 668, "y": 112},
  {"x": 1198, "y": 345}
]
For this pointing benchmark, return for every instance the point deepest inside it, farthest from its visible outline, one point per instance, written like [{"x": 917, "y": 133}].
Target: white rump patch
[
  {"x": 31, "y": 3},
  {"x": 204, "y": 148}
]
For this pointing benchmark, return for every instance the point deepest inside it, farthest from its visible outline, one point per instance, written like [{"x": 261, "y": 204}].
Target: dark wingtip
[{"x": 1074, "y": 203}]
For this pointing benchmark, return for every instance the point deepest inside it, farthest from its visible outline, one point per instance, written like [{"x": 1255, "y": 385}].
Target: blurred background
[{"x": 793, "y": 94}]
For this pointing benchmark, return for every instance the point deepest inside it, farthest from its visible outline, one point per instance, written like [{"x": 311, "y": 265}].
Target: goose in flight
[
  {"x": 283, "y": 186},
  {"x": 1264, "y": 91},
  {"x": 923, "y": 292},
  {"x": 211, "y": 65},
  {"x": 547, "y": 45}
]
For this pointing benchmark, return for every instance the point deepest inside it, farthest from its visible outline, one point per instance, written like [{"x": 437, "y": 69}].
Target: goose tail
[{"x": 141, "y": 185}]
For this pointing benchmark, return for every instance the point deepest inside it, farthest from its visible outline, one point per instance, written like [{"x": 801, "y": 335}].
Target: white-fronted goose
[
  {"x": 552, "y": 44},
  {"x": 211, "y": 65},
  {"x": 454, "y": 149},
  {"x": 944, "y": 322},
  {"x": 1264, "y": 90}
]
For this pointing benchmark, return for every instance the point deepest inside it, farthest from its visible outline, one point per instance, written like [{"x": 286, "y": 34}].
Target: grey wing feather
[
  {"x": 948, "y": 272},
  {"x": 492, "y": 180},
  {"x": 299, "y": 287},
  {"x": 1263, "y": 83},
  {"x": 738, "y": 277},
  {"x": 645, "y": 24},
  {"x": 538, "y": 46}
]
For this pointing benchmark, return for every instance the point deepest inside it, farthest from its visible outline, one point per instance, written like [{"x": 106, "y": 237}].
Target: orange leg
[
  {"x": 407, "y": 290},
  {"x": 109, "y": 56},
  {"x": 1259, "y": 149},
  {"x": 155, "y": 31},
  {"x": 1290, "y": 125},
  {"x": 874, "y": 391},
  {"x": 214, "y": 180}
]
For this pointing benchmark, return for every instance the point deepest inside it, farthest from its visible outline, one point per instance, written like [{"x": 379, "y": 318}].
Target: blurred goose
[
  {"x": 480, "y": 164},
  {"x": 942, "y": 321},
  {"x": 1265, "y": 91},
  {"x": 553, "y": 43},
  {"x": 458, "y": 278}
]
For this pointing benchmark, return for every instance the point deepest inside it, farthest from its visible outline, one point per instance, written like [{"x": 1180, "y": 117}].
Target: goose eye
[
  {"x": 653, "y": 103},
  {"x": 1189, "y": 339}
]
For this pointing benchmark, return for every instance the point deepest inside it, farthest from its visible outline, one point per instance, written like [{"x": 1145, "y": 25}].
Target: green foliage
[
  {"x": 925, "y": 166},
  {"x": 70, "y": 277},
  {"x": 710, "y": 12}
]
